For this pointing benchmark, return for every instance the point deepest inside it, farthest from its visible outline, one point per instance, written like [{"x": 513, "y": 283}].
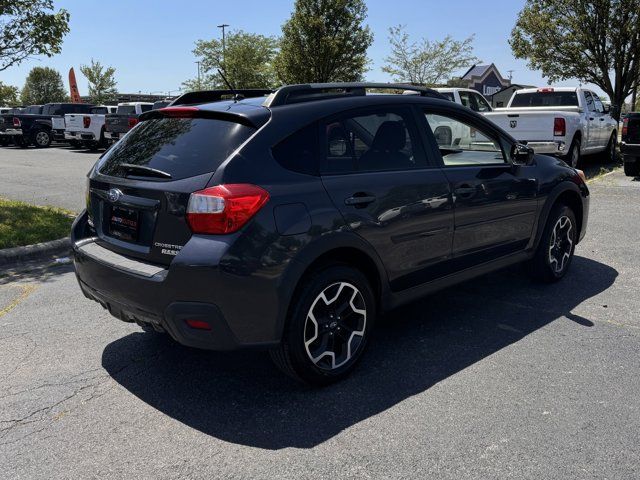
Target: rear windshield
[
  {"x": 633, "y": 129},
  {"x": 545, "y": 99},
  {"x": 181, "y": 147},
  {"x": 33, "y": 109},
  {"x": 449, "y": 95},
  {"x": 99, "y": 110},
  {"x": 126, "y": 109}
]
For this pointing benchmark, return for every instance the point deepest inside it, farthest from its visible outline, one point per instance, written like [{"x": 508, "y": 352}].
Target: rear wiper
[{"x": 141, "y": 170}]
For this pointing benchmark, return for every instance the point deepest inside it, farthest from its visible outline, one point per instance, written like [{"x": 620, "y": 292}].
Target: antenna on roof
[{"x": 236, "y": 95}]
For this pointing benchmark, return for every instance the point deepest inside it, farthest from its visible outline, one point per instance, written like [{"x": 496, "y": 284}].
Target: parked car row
[{"x": 79, "y": 124}]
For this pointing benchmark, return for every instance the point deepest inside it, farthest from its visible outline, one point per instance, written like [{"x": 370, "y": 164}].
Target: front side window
[
  {"x": 481, "y": 103},
  {"x": 463, "y": 144},
  {"x": 369, "y": 142},
  {"x": 598, "y": 103},
  {"x": 590, "y": 104}
]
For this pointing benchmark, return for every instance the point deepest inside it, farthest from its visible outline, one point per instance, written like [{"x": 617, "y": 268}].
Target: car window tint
[
  {"x": 146, "y": 108},
  {"x": 299, "y": 151},
  {"x": 181, "y": 147},
  {"x": 462, "y": 144},
  {"x": 449, "y": 95},
  {"x": 368, "y": 142},
  {"x": 545, "y": 99},
  {"x": 481, "y": 103},
  {"x": 464, "y": 99},
  {"x": 126, "y": 109}
]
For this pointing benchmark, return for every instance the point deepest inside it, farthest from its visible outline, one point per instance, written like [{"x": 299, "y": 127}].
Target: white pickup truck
[
  {"x": 563, "y": 121},
  {"x": 87, "y": 129}
]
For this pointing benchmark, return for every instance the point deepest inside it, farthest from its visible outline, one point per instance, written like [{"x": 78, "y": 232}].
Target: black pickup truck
[
  {"x": 9, "y": 132},
  {"x": 37, "y": 128},
  {"x": 630, "y": 144},
  {"x": 116, "y": 125}
]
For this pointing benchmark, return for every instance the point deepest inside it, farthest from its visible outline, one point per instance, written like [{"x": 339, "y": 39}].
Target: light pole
[
  {"x": 199, "y": 85},
  {"x": 224, "y": 65}
]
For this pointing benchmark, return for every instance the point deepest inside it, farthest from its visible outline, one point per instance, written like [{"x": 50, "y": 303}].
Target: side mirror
[
  {"x": 607, "y": 108},
  {"x": 521, "y": 155}
]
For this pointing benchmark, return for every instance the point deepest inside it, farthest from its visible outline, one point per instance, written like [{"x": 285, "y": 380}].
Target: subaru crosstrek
[{"x": 289, "y": 220}]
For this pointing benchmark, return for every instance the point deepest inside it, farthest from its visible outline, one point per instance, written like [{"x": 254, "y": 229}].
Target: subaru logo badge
[
  {"x": 513, "y": 123},
  {"x": 114, "y": 195}
]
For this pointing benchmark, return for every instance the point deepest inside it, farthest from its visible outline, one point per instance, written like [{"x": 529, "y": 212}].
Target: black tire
[
  {"x": 41, "y": 138},
  {"x": 573, "y": 156},
  {"x": 551, "y": 262},
  {"x": 337, "y": 330},
  {"x": 631, "y": 169},
  {"x": 609, "y": 155}
]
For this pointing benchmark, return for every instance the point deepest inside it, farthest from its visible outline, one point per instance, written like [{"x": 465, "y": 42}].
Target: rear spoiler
[
  {"x": 209, "y": 96},
  {"x": 195, "y": 112}
]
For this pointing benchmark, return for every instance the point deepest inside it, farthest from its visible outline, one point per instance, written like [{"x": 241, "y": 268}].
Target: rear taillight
[
  {"x": 224, "y": 208},
  {"x": 16, "y": 122},
  {"x": 625, "y": 126},
  {"x": 133, "y": 122},
  {"x": 559, "y": 127},
  {"x": 86, "y": 121}
]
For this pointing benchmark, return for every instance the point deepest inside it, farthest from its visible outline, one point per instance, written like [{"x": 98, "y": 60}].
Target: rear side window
[
  {"x": 372, "y": 141},
  {"x": 299, "y": 151},
  {"x": 545, "y": 99},
  {"x": 181, "y": 147}
]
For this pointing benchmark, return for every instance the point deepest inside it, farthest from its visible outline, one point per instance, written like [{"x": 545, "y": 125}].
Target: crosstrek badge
[{"x": 168, "y": 248}]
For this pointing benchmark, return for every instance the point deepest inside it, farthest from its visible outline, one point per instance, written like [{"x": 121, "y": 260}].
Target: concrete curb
[{"x": 33, "y": 252}]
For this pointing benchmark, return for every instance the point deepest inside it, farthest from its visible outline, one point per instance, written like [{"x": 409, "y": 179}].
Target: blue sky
[{"x": 150, "y": 42}]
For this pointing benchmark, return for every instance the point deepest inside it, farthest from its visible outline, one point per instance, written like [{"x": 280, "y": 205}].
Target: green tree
[
  {"x": 247, "y": 62},
  {"x": 102, "y": 84},
  {"x": 28, "y": 28},
  {"x": 425, "y": 62},
  {"x": 594, "y": 41},
  {"x": 324, "y": 41},
  {"x": 43, "y": 85},
  {"x": 8, "y": 95}
]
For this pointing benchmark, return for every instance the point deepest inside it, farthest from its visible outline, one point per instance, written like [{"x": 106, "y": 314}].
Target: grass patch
[{"x": 24, "y": 224}]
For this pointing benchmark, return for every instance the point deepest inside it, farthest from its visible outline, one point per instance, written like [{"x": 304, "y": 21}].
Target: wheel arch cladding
[
  {"x": 566, "y": 193},
  {"x": 571, "y": 199}
]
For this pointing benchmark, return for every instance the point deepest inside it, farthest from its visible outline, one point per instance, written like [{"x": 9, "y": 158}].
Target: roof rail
[
  {"x": 323, "y": 91},
  {"x": 208, "y": 96}
]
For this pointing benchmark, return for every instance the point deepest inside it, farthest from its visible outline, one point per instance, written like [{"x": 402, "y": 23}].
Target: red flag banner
[{"x": 73, "y": 87}]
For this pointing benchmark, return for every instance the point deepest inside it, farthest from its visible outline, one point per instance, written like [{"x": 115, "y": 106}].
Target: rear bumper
[
  {"x": 114, "y": 135},
  {"x": 547, "y": 148},
  {"x": 79, "y": 135},
  {"x": 11, "y": 131},
  {"x": 242, "y": 311}
]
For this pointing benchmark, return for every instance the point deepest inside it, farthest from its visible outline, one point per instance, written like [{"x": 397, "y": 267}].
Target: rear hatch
[
  {"x": 119, "y": 123},
  {"x": 526, "y": 125},
  {"x": 140, "y": 188},
  {"x": 74, "y": 122}
]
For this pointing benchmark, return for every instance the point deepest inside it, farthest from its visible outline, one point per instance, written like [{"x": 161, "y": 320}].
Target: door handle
[
  {"x": 465, "y": 191},
  {"x": 591, "y": 118},
  {"x": 602, "y": 119},
  {"x": 359, "y": 200}
]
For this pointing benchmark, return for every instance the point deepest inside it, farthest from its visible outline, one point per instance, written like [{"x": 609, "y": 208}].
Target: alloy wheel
[
  {"x": 561, "y": 244},
  {"x": 42, "y": 138},
  {"x": 335, "y": 326}
]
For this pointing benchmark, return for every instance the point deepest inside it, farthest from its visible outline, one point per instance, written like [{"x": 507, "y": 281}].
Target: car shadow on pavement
[{"x": 240, "y": 397}]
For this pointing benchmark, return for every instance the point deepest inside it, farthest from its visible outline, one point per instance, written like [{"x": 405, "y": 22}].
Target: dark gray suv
[{"x": 289, "y": 220}]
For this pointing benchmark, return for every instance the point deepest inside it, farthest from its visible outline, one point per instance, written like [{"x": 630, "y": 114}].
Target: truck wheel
[
  {"x": 573, "y": 157},
  {"x": 555, "y": 251},
  {"x": 41, "y": 138},
  {"x": 631, "y": 169},
  {"x": 330, "y": 322},
  {"x": 610, "y": 152}
]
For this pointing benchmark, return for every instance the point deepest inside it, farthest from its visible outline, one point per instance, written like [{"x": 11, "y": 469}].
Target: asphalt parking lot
[{"x": 496, "y": 378}]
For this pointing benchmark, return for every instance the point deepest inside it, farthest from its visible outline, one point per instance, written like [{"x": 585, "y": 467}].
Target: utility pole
[
  {"x": 224, "y": 65},
  {"x": 510, "y": 72},
  {"x": 199, "y": 85}
]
